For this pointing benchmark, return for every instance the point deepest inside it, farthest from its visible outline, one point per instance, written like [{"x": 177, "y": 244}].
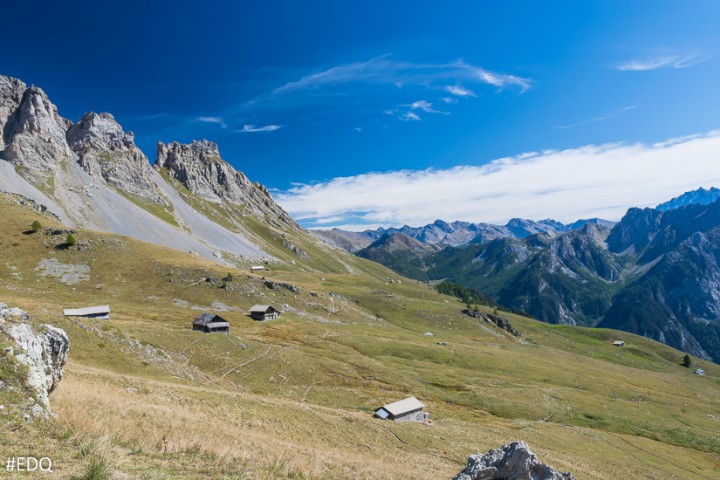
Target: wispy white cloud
[
  {"x": 584, "y": 182},
  {"x": 216, "y": 120},
  {"x": 249, "y": 128},
  {"x": 425, "y": 106},
  {"x": 596, "y": 119},
  {"x": 382, "y": 84},
  {"x": 385, "y": 70},
  {"x": 655, "y": 62},
  {"x": 410, "y": 117},
  {"x": 459, "y": 91}
]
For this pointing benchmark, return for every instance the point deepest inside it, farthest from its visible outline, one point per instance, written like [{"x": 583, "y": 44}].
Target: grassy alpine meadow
[{"x": 145, "y": 397}]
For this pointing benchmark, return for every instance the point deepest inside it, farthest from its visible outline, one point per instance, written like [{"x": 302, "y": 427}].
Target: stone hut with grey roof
[
  {"x": 264, "y": 312},
  {"x": 211, "y": 323},
  {"x": 406, "y": 410}
]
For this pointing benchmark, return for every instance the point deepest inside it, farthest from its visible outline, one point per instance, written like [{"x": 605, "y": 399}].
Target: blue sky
[{"x": 310, "y": 97}]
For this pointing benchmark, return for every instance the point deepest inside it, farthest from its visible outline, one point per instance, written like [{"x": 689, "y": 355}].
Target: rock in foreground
[
  {"x": 44, "y": 353},
  {"x": 514, "y": 461}
]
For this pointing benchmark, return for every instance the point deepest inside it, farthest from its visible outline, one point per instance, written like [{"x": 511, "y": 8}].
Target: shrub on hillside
[
  {"x": 70, "y": 240},
  {"x": 687, "y": 361}
]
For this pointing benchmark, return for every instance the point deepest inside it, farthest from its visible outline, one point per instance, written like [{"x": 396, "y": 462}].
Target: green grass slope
[{"x": 146, "y": 397}]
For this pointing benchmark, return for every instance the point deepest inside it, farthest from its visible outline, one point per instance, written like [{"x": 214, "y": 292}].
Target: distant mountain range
[
  {"x": 655, "y": 273},
  {"x": 444, "y": 234}
]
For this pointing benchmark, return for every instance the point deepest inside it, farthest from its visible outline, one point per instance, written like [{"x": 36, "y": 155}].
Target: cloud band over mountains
[{"x": 591, "y": 181}]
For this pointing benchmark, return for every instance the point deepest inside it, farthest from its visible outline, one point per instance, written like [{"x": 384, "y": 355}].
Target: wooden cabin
[
  {"x": 211, "y": 323},
  {"x": 263, "y": 312},
  {"x": 100, "y": 311},
  {"x": 407, "y": 410}
]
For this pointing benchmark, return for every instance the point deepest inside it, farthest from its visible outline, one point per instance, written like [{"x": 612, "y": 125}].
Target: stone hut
[
  {"x": 211, "y": 323},
  {"x": 407, "y": 410},
  {"x": 263, "y": 312}
]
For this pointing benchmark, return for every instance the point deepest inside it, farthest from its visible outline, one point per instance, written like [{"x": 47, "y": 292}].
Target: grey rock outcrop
[
  {"x": 200, "y": 169},
  {"x": 513, "y": 461},
  {"x": 11, "y": 92},
  {"x": 496, "y": 320},
  {"x": 106, "y": 151},
  {"x": 45, "y": 353},
  {"x": 34, "y": 134}
]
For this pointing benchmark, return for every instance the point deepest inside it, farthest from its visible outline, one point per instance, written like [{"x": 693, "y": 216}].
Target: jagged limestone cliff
[
  {"x": 200, "y": 169},
  {"x": 106, "y": 151}
]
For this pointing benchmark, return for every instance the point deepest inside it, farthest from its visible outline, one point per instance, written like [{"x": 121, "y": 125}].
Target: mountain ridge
[
  {"x": 452, "y": 234},
  {"x": 92, "y": 175}
]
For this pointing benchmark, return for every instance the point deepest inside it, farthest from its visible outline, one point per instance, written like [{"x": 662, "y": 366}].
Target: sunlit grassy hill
[{"x": 147, "y": 397}]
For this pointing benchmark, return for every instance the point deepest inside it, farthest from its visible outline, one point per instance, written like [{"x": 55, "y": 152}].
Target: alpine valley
[
  {"x": 654, "y": 273},
  {"x": 87, "y": 220}
]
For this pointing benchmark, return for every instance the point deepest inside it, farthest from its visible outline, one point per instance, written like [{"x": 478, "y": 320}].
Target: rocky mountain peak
[
  {"x": 402, "y": 242},
  {"x": 636, "y": 229},
  {"x": 10, "y": 86},
  {"x": 521, "y": 228},
  {"x": 11, "y": 92},
  {"x": 701, "y": 196},
  {"x": 182, "y": 158},
  {"x": 200, "y": 169},
  {"x": 443, "y": 225},
  {"x": 106, "y": 151},
  {"x": 34, "y": 134},
  {"x": 97, "y": 127},
  {"x": 198, "y": 166},
  {"x": 205, "y": 150}
]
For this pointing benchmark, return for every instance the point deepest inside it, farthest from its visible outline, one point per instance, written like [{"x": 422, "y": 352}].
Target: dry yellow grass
[{"x": 293, "y": 398}]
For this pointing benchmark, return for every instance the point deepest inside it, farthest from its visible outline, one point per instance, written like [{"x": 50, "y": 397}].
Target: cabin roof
[
  {"x": 78, "y": 312},
  {"x": 261, "y": 308},
  {"x": 207, "y": 318},
  {"x": 403, "y": 406},
  {"x": 218, "y": 325}
]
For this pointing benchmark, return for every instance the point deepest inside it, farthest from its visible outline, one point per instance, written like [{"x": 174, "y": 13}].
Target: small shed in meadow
[
  {"x": 99, "y": 311},
  {"x": 211, "y": 323},
  {"x": 407, "y": 410},
  {"x": 619, "y": 343},
  {"x": 257, "y": 268},
  {"x": 263, "y": 312},
  {"x": 699, "y": 371}
]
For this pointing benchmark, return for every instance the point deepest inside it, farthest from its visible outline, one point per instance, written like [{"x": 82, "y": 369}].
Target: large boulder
[
  {"x": 45, "y": 353},
  {"x": 514, "y": 461}
]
